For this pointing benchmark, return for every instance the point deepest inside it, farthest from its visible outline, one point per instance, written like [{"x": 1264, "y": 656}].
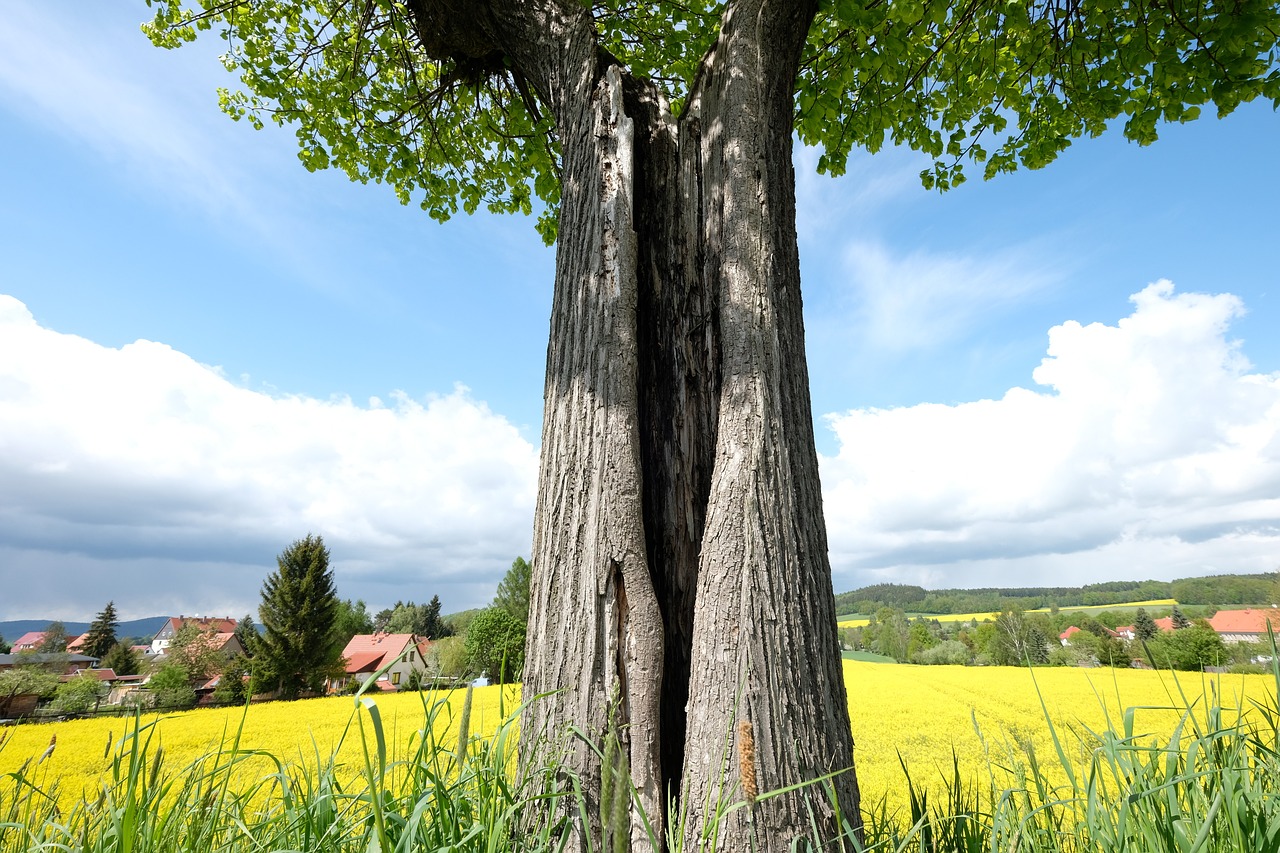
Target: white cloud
[
  {"x": 120, "y": 457},
  {"x": 1152, "y": 452},
  {"x": 924, "y": 300}
]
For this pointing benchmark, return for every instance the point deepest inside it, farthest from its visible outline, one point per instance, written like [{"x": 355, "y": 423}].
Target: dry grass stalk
[
  {"x": 464, "y": 727},
  {"x": 747, "y": 762}
]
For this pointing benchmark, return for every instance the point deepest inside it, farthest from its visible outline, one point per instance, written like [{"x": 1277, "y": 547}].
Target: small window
[
  {"x": 395, "y": 678},
  {"x": 410, "y": 657}
]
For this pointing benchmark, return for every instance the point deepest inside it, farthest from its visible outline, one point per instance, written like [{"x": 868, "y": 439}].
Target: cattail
[
  {"x": 608, "y": 779},
  {"x": 747, "y": 762},
  {"x": 615, "y": 795},
  {"x": 464, "y": 725},
  {"x": 53, "y": 742},
  {"x": 621, "y": 821}
]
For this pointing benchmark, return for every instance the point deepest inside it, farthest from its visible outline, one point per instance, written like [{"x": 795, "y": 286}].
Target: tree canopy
[
  {"x": 352, "y": 619},
  {"x": 55, "y": 639},
  {"x": 495, "y": 645},
  {"x": 992, "y": 84},
  {"x": 102, "y": 632},
  {"x": 422, "y": 620},
  {"x": 121, "y": 659},
  {"x": 194, "y": 650},
  {"x": 299, "y": 606},
  {"x": 513, "y": 590}
]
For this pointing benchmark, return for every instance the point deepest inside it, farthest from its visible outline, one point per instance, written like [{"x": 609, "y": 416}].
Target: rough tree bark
[{"x": 680, "y": 574}]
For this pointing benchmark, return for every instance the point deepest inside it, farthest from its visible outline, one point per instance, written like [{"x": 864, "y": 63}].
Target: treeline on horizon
[{"x": 1219, "y": 590}]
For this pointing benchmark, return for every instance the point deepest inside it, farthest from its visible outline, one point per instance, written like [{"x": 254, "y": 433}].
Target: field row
[
  {"x": 989, "y": 716},
  {"x": 980, "y": 617}
]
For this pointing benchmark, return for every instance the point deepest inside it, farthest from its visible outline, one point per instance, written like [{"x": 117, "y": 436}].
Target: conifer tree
[
  {"x": 433, "y": 625},
  {"x": 299, "y": 606},
  {"x": 121, "y": 660},
  {"x": 1179, "y": 620},
  {"x": 102, "y": 632},
  {"x": 247, "y": 634},
  {"x": 1144, "y": 627}
]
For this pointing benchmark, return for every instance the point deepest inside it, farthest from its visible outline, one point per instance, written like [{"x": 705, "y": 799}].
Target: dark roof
[
  {"x": 46, "y": 657},
  {"x": 100, "y": 674}
]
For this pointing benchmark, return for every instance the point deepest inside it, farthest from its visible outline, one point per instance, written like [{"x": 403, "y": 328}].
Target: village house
[
  {"x": 225, "y": 642},
  {"x": 1245, "y": 626},
  {"x": 365, "y": 654},
  {"x": 28, "y": 642},
  {"x": 67, "y": 663},
  {"x": 206, "y": 625},
  {"x": 118, "y": 686},
  {"x": 1065, "y": 636}
]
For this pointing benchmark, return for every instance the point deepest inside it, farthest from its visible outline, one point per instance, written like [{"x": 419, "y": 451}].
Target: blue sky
[{"x": 1056, "y": 377}]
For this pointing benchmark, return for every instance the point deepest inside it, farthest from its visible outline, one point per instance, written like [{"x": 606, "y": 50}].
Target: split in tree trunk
[{"x": 681, "y": 582}]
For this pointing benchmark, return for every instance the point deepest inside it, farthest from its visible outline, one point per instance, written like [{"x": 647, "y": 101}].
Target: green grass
[{"x": 869, "y": 657}]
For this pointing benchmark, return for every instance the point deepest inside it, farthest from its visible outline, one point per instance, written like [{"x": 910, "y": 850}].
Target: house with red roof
[
  {"x": 1065, "y": 636},
  {"x": 1245, "y": 626},
  {"x": 366, "y": 654},
  {"x": 206, "y": 625},
  {"x": 76, "y": 644},
  {"x": 28, "y": 642},
  {"x": 225, "y": 642}
]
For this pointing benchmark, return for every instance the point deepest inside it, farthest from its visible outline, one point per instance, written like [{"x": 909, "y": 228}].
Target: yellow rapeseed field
[
  {"x": 294, "y": 732},
  {"x": 980, "y": 617},
  {"x": 923, "y": 713}
]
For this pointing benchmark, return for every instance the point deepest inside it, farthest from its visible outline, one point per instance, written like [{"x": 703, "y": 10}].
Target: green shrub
[
  {"x": 80, "y": 694},
  {"x": 495, "y": 645},
  {"x": 948, "y": 652},
  {"x": 171, "y": 687}
]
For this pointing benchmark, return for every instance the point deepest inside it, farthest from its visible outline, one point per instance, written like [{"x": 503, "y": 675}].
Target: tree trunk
[
  {"x": 597, "y": 646},
  {"x": 681, "y": 584},
  {"x": 765, "y": 648}
]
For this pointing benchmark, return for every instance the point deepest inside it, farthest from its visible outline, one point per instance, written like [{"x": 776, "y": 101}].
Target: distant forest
[{"x": 1219, "y": 590}]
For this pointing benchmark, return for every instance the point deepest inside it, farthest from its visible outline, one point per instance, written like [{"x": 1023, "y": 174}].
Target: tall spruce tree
[
  {"x": 1144, "y": 627},
  {"x": 102, "y": 632},
  {"x": 433, "y": 625},
  {"x": 247, "y": 634},
  {"x": 299, "y": 606}
]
